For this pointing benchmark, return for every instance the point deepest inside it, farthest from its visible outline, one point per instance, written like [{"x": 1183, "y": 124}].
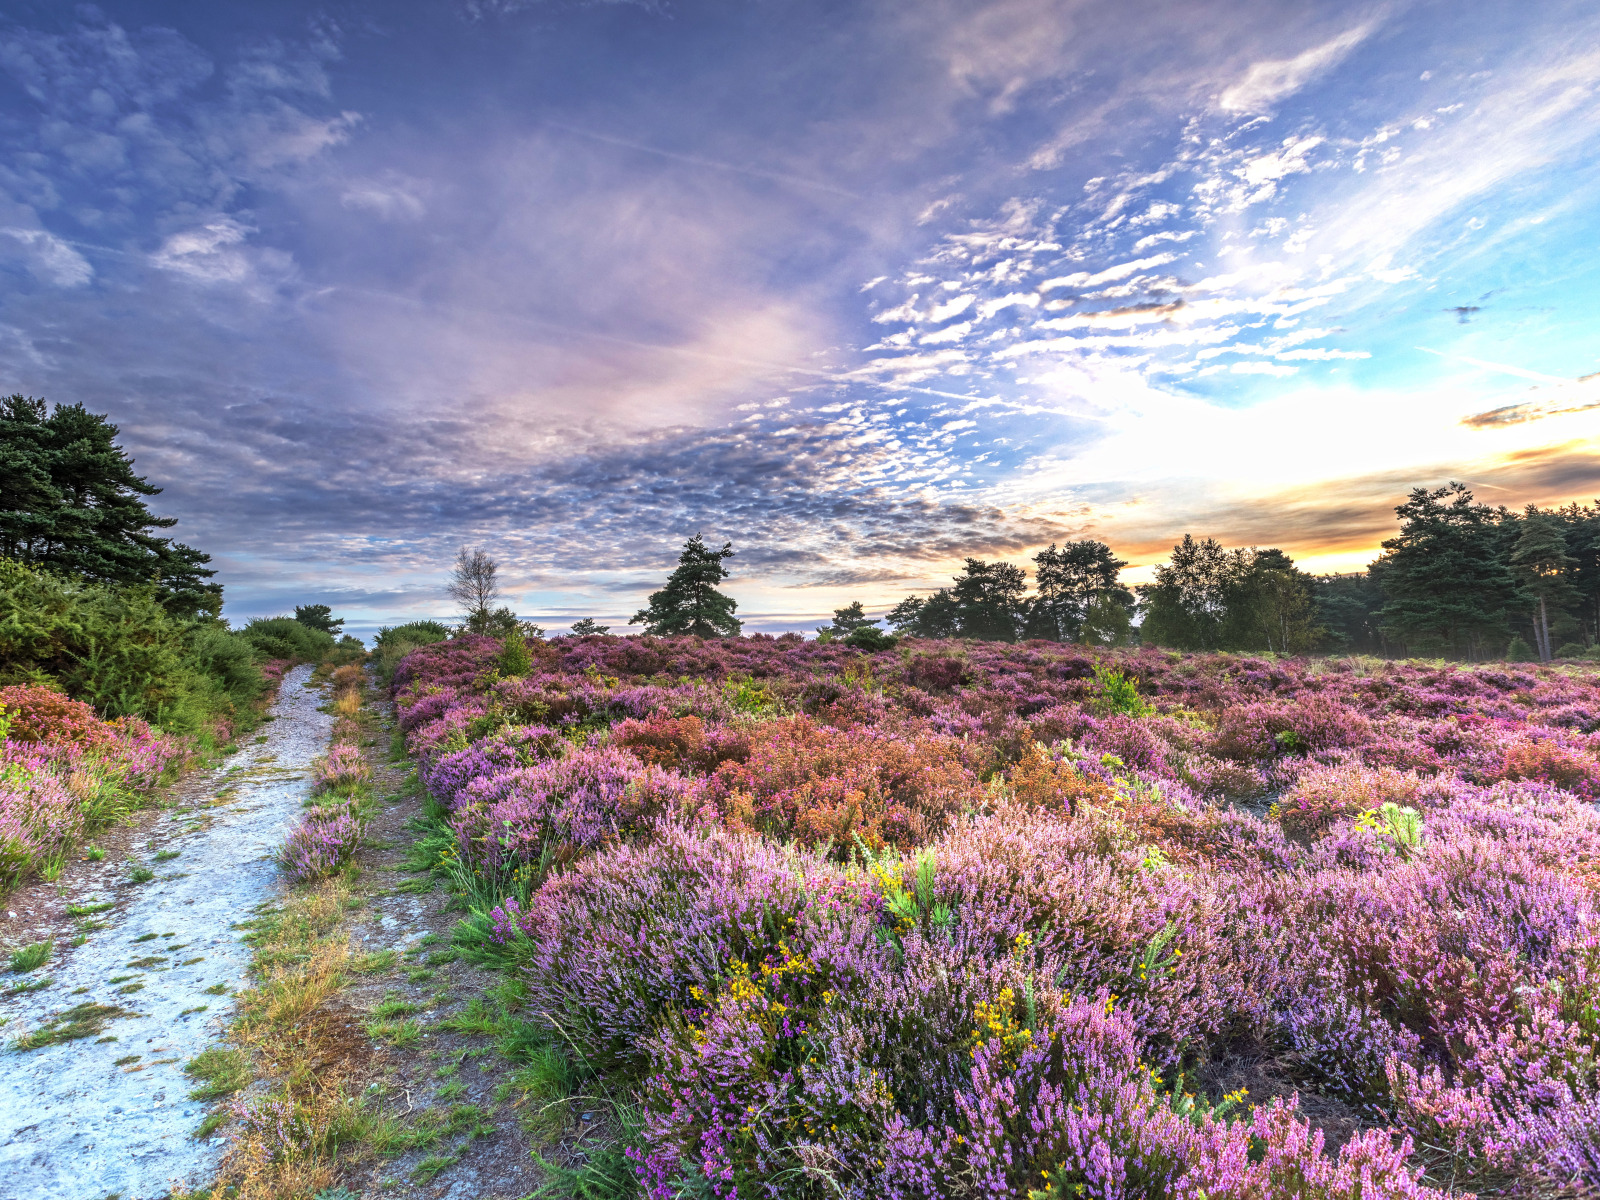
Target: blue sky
[{"x": 865, "y": 287}]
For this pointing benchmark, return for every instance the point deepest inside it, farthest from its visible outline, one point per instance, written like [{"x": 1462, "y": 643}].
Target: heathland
[{"x": 1094, "y": 892}]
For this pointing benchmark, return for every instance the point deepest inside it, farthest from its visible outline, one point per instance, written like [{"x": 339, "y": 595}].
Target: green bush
[
  {"x": 1570, "y": 650},
  {"x": 118, "y": 649},
  {"x": 284, "y": 637},
  {"x": 871, "y": 639},
  {"x": 1520, "y": 651}
]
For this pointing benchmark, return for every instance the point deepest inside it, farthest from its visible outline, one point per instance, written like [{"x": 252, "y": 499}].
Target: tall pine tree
[
  {"x": 1070, "y": 580},
  {"x": 690, "y": 602},
  {"x": 1446, "y": 584},
  {"x": 1542, "y": 564},
  {"x": 70, "y": 502}
]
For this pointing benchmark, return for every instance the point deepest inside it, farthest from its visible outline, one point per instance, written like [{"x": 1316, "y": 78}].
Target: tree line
[{"x": 1460, "y": 579}]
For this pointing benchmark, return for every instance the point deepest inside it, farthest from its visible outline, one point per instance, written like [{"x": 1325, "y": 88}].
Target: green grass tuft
[
  {"x": 222, "y": 1070},
  {"x": 31, "y": 957},
  {"x": 429, "y": 1168},
  {"x": 80, "y": 1021}
]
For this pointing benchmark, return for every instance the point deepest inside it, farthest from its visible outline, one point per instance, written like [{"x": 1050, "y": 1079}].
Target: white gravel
[{"x": 73, "y": 1125}]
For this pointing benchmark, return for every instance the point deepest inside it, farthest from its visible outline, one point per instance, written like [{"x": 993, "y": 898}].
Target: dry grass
[{"x": 284, "y": 1144}]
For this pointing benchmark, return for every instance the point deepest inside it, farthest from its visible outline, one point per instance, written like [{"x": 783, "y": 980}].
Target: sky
[{"x": 864, "y": 288}]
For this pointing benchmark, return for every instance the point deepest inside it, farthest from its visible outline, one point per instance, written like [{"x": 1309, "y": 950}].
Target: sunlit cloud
[{"x": 867, "y": 296}]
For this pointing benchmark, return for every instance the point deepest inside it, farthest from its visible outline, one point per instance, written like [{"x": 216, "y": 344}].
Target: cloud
[
  {"x": 1566, "y": 397},
  {"x": 1266, "y": 83},
  {"x": 48, "y": 258},
  {"x": 392, "y": 199}
]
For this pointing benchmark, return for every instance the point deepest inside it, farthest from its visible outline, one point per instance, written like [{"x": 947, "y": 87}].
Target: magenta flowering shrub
[
  {"x": 563, "y": 806},
  {"x": 64, "y": 772},
  {"x": 341, "y": 769},
  {"x": 928, "y": 923},
  {"x": 321, "y": 843}
]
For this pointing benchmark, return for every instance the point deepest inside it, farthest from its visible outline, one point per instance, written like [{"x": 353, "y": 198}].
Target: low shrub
[
  {"x": 1326, "y": 795},
  {"x": 119, "y": 651},
  {"x": 341, "y": 770},
  {"x": 284, "y": 637},
  {"x": 393, "y": 643},
  {"x": 321, "y": 844}
]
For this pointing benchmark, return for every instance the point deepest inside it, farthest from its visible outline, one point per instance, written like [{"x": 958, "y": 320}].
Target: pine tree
[
  {"x": 847, "y": 620},
  {"x": 989, "y": 600},
  {"x": 70, "y": 502},
  {"x": 1446, "y": 582},
  {"x": 319, "y": 616},
  {"x": 1542, "y": 564},
  {"x": 1582, "y": 526},
  {"x": 935, "y": 617},
  {"x": 1070, "y": 580},
  {"x": 690, "y": 602}
]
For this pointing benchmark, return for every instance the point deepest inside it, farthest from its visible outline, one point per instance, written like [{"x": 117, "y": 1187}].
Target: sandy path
[{"x": 74, "y": 1125}]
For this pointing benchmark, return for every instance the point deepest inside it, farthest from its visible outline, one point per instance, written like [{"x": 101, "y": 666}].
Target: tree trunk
[{"x": 1544, "y": 623}]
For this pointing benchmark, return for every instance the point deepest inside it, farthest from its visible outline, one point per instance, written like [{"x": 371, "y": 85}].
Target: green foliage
[
  {"x": 120, "y": 650},
  {"x": 1400, "y": 824},
  {"x": 986, "y": 602},
  {"x": 846, "y": 621},
  {"x": 30, "y": 958},
  {"x": 936, "y": 617},
  {"x": 319, "y": 616},
  {"x": 1520, "y": 651},
  {"x": 221, "y": 1071},
  {"x": 1106, "y": 622},
  {"x": 690, "y": 602},
  {"x": 1347, "y": 608},
  {"x": 1543, "y": 568},
  {"x": 1447, "y": 585},
  {"x": 83, "y": 1020},
  {"x": 871, "y": 639},
  {"x": 1115, "y": 693},
  {"x": 989, "y": 599},
  {"x": 1079, "y": 579},
  {"x": 589, "y": 627},
  {"x": 515, "y": 658},
  {"x": 394, "y": 643},
  {"x": 70, "y": 502},
  {"x": 500, "y": 623},
  {"x": 285, "y": 637},
  {"x": 1210, "y": 598}
]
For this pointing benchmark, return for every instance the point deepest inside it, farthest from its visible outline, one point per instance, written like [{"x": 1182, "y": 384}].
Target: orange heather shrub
[
  {"x": 41, "y": 714},
  {"x": 1551, "y": 762},
  {"x": 1040, "y": 781},
  {"x": 1324, "y": 795},
  {"x": 817, "y": 784}
]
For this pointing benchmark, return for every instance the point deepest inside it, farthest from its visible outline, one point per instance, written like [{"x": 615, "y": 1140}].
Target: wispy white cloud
[
  {"x": 49, "y": 258},
  {"x": 1268, "y": 82}
]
